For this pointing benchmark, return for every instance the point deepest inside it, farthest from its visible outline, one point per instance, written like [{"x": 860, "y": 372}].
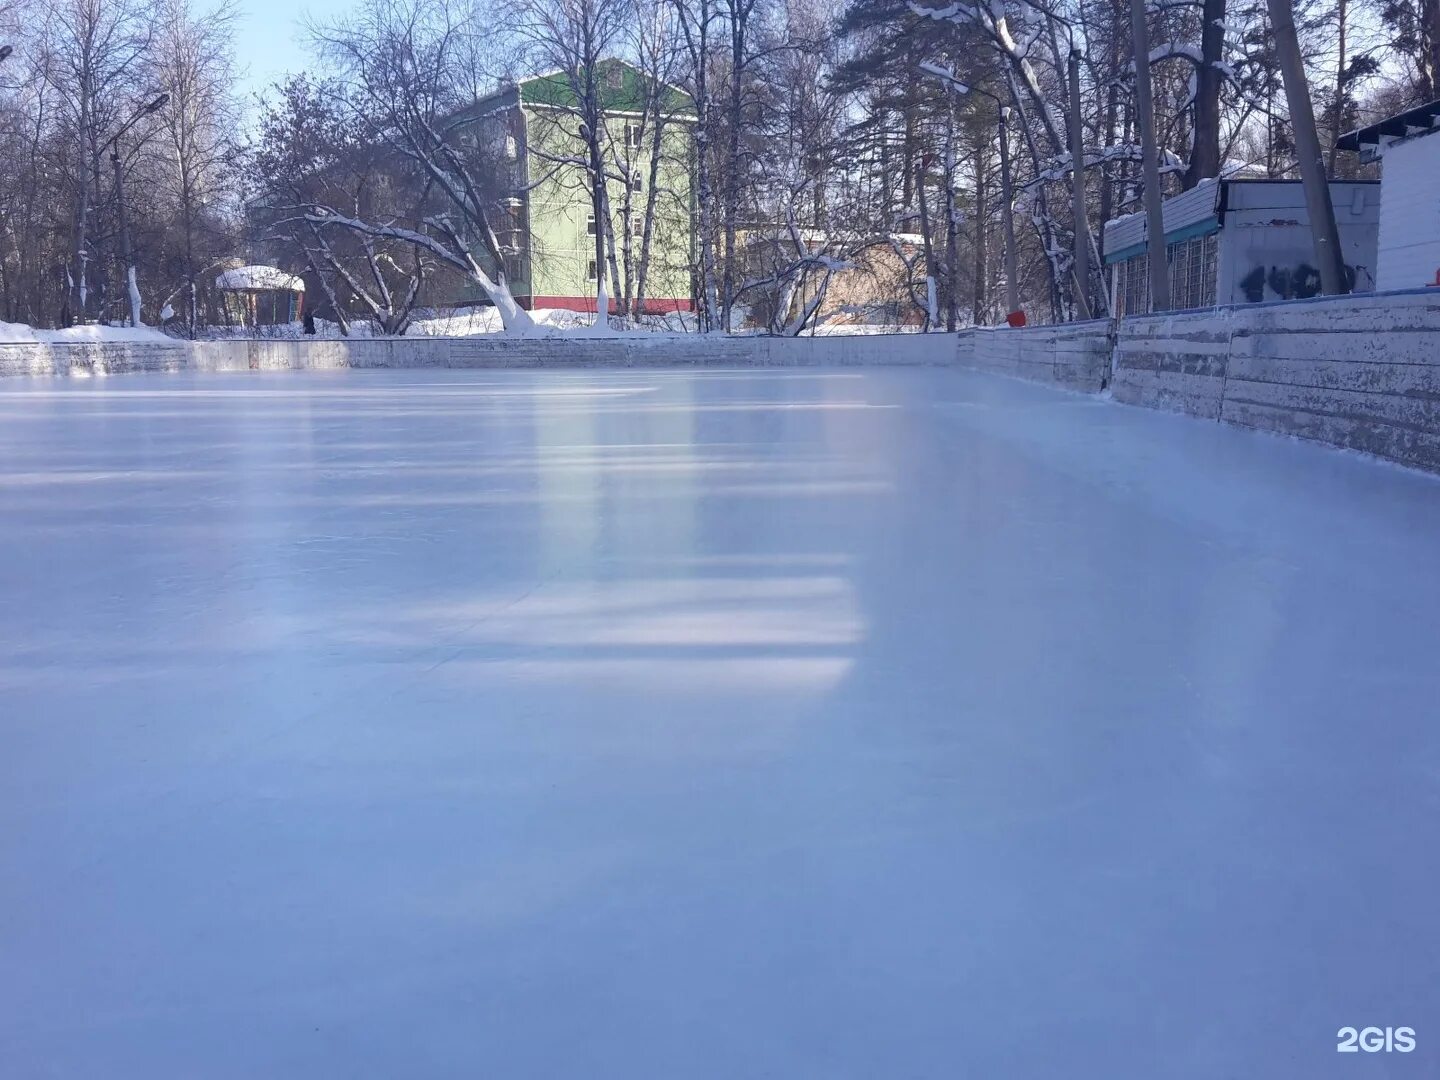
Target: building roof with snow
[
  {"x": 1372, "y": 142},
  {"x": 1242, "y": 242},
  {"x": 258, "y": 279},
  {"x": 1205, "y": 207},
  {"x": 1409, "y": 250}
]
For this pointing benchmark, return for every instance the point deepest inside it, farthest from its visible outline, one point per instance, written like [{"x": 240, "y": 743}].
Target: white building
[
  {"x": 260, "y": 295},
  {"x": 1241, "y": 241},
  {"x": 1409, "y": 256}
]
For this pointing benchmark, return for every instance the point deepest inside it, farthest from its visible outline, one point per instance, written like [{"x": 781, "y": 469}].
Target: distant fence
[{"x": 1361, "y": 372}]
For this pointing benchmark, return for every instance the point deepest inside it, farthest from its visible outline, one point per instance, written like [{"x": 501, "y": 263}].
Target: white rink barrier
[
  {"x": 1072, "y": 355},
  {"x": 93, "y": 357},
  {"x": 1361, "y": 372},
  {"x": 486, "y": 351}
]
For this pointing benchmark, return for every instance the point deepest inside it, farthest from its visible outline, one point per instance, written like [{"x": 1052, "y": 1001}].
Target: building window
[
  {"x": 590, "y": 224},
  {"x": 1192, "y": 273},
  {"x": 633, "y": 134},
  {"x": 637, "y": 225},
  {"x": 637, "y": 183},
  {"x": 615, "y": 77},
  {"x": 1193, "y": 270},
  {"x": 1133, "y": 289},
  {"x": 590, "y": 270}
]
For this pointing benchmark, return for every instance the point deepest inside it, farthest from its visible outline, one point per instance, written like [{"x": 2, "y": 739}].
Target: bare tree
[
  {"x": 94, "y": 55},
  {"x": 1414, "y": 40},
  {"x": 1328, "y": 256},
  {"x": 312, "y": 157},
  {"x": 656, "y": 142},
  {"x": 1145, "y": 121},
  {"x": 699, "y": 21},
  {"x": 193, "y": 62},
  {"x": 405, "y": 64},
  {"x": 574, "y": 39},
  {"x": 1209, "y": 77}
]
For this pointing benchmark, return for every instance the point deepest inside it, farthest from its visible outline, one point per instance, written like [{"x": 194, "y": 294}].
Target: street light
[
  {"x": 1014, "y": 316},
  {"x": 131, "y": 287}
]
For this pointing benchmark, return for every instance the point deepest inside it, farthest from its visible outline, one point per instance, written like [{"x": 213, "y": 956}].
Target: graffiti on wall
[{"x": 1297, "y": 282}]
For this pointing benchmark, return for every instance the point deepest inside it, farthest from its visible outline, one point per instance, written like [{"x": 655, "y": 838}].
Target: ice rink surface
[{"x": 771, "y": 723}]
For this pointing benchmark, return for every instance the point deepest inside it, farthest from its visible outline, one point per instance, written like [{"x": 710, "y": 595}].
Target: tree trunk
[
  {"x": 979, "y": 302},
  {"x": 1337, "y": 105},
  {"x": 739, "y": 15},
  {"x": 1429, "y": 60},
  {"x": 1205, "y": 154},
  {"x": 930, "y": 313},
  {"x": 697, "y": 45},
  {"x": 952, "y": 240},
  {"x": 1081, "y": 224},
  {"x": 642, "y": 271},
  {"x": 1145, "y": 121},
  {"x": 1307, "y": 148},
  {"x": 1045, "y": 225},
  {"x": 1112, "y": 105}
]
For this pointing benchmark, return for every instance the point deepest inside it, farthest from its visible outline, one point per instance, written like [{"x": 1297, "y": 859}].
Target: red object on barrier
[{"x": 1017, "y": 318}]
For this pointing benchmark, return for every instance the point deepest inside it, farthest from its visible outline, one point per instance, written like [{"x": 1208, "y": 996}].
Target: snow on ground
[
  {"x": 465, "y": 322},
  {"x": 842, "y": 329},
  {"x": 486, "y": 320},
  {"x": 459, "y": 322},
  {"x": 19, "y": 332},
  {"x": 793, "y": 723}
]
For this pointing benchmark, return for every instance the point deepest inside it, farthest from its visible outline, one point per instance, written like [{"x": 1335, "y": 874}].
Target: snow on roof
[
  {"x": 258, "y": 277},
  {"x": 1178, "y": 211},
  {"x": 1208, "y": 202}
]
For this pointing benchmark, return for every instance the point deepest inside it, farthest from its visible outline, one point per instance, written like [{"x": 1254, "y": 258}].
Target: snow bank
[
  {"x": 471, "y": 322},
  {"x": 95, "y": 332},
  {"x": 11, "y": 331},
  {"x": 486, "y": 320},
  {"x": 467, "y": 322},
  {"x": 20, "y": 333}
]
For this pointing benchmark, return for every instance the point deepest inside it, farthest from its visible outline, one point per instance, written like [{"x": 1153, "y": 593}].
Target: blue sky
[{"x": 270, "y": 38}]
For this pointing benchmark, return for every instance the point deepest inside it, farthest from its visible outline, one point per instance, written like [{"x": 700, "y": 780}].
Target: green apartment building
[{"x": 548, "y": 236}]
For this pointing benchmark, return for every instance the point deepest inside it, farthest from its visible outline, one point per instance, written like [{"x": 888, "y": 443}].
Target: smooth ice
[{"x": 629, "y": 724}]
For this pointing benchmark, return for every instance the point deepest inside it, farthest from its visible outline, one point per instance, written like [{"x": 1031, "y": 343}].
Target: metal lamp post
[{"x": 131, "y": 288}]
